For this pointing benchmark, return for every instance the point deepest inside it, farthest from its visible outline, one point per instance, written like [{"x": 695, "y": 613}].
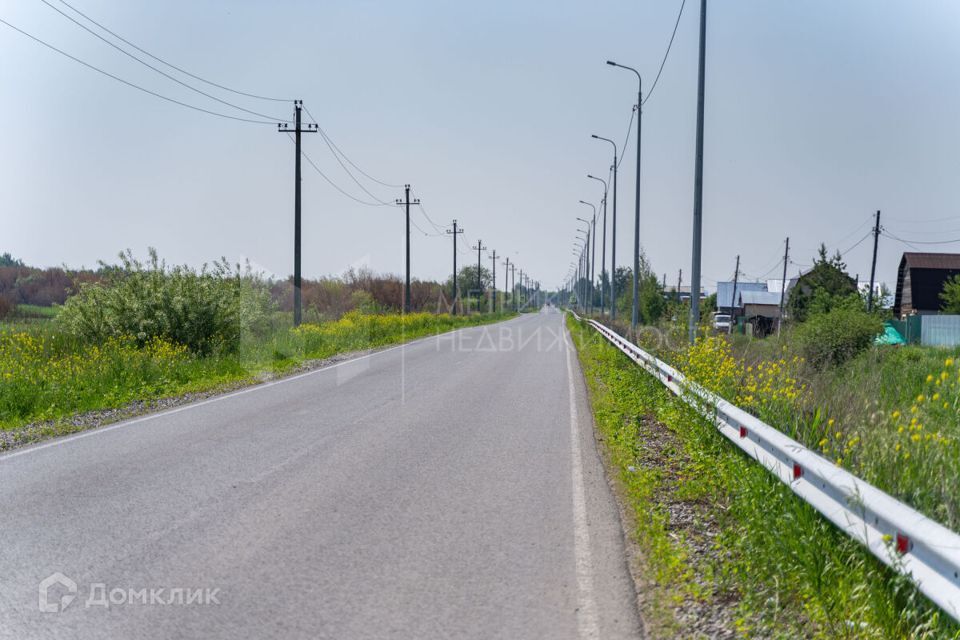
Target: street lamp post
[
  {"x": 603, "y": 245},
  {"x": 636, "y": 221},
  {"x": 586, "y": 262},
  {"x": 593, "y": 249},
  {"x": 613, "y": 235}
]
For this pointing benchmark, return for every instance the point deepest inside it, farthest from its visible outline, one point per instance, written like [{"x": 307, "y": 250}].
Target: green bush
[
  {"x": 207, "y": 311},
  {"x": 838, "y": 335}
]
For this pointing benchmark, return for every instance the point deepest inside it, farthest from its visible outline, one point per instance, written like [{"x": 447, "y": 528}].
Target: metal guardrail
[{"x": 898, "y": 535}]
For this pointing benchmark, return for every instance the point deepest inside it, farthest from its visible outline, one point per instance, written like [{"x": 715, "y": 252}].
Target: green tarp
[{"x": 890, "y": 336}]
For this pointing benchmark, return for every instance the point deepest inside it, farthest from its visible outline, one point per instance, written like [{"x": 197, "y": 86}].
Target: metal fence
[{"x": 901, "y": 537}]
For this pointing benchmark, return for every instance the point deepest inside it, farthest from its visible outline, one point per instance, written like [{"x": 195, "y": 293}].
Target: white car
[{"x": 721, "y": 322}]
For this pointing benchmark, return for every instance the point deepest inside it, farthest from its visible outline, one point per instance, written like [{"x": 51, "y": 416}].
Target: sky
[{"x": 818, "y": 113}]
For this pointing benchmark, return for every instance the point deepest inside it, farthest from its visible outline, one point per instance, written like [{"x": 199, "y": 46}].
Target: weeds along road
[{"x": 449, "y": 488}]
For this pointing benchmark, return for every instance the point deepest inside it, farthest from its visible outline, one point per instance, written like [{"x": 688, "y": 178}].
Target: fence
[{"x": 898, "y": 535}]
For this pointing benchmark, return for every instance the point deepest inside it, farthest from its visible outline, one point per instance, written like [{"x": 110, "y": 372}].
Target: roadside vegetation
[
  {"x": 888, "y": 414},
  {"x": 145, "y": 330},
  {"x": 726, "y": 549}
]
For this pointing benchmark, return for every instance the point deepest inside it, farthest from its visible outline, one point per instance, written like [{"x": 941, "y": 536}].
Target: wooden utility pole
[
  {"x": 454, "y": 234},
  {"x": 297, "y": 130}
]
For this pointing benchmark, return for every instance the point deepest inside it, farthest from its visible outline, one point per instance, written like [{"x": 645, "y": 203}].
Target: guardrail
[{"x": 900, "y": 536}]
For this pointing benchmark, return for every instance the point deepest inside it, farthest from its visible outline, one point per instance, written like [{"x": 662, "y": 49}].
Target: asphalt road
[{"x": 449, "y": 488}]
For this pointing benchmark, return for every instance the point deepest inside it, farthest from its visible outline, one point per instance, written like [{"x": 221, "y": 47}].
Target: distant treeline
[{"x": 325, "y": 298}]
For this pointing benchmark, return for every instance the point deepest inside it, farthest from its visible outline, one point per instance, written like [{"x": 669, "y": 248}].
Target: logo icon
[{"x": 49, "y": 583}]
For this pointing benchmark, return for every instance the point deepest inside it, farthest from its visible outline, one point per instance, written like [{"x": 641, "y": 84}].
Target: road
[{"x": 448, "y": 488}]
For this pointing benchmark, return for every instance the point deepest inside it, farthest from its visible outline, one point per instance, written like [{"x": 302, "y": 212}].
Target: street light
[
  {"x": 593, "y": 249},
  {"x": 613, "y": 238},
  {"x": 603, "y": 245},
  {"x": 636, "y": 220}
]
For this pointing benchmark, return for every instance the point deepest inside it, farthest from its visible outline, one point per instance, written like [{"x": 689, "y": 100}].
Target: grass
[
  {"x": 46, "y": 375},
  {"x": 720, "y": 538},
  {"x": 36, "y": 311}
]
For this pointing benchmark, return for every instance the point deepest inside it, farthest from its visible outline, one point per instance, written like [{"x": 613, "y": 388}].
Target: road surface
[{"x": 449, "y": 488}]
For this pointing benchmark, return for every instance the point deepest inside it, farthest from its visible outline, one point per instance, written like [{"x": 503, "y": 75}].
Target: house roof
[
  {"x": 725, "y": 293},
  {"x": 760, "y": 297},
  {"x": 932, "y": 260}
]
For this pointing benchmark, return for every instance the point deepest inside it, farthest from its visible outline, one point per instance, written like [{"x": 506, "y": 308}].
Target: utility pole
[
  {"x": 603, "y": 248},
  {"x": 698, "y": 182},
  {"x": 406, "y": 287},
  {"x": 733, "y": 296},
  {"x": 513, "y": 289},
  {"x": 679, "y": 284},
  {"x": 783, "y": 283},
  {"x": 520, "y": 291},
  {"x": 493, "y": 283},
  {"x": 453, "y": 234},
  {"x": 593, "y": 258},
  {"x": 297, "y": 130},
  {"x": 479, "y": 248},
  {"x": 873, "y": 267},
  {"x": 506, "y": 282},
  {"x": 613, "y": 230}
]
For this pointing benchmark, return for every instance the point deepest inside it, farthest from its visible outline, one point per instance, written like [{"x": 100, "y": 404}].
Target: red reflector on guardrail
[
  {"x": 797, "y": 471},
  {"x": 903, "y": 543},
  {"x": 743, "y": 431}
]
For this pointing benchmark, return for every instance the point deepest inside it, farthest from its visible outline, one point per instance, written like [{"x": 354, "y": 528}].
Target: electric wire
[
  {"x": 332, "y": 183},
  {"x": 172, "y": 66},
  {"x": 626, "y": 139},
  {"x": 163, "y": 73},
  {"x": 131, "y": 84},
  {"x": 429, "y": 219},
  {"x": 912, "y": 242},
  {"x": 352, "y": 177},
  {"x": 666, "y": 54},
  {"x": 347, "y": 158},
  {"x": 857, "y": 244}
]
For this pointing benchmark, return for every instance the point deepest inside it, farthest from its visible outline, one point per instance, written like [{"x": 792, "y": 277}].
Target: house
[
  {"x": 920, "y": 281},
  {"x": 728, "y": 300},
  {"x": 760, "y": 309},
  {"x": 671, "y": 294}
]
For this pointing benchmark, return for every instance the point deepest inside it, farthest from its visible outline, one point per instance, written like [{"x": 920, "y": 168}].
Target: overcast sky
[{"x": 818, "y": 113}]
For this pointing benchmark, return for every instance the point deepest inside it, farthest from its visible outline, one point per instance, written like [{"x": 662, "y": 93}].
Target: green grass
[
  {"x": 46, "y": 375},
  {"x": 36, "y": 312},
  {"x": 747, "y": 545}
]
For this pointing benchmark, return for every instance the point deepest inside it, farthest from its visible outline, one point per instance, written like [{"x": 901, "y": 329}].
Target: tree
[
  {"x": 950, "y": 296},
  {"x": 467, "y": 279},
  {"x": 7, "y": 260},
  {"x": 825, "y": 286}
]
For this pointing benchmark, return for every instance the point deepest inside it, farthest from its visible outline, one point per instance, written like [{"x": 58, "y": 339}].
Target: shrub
[
  {"x": 207, "y": 311},
  {"x": 838, "y": 335}
]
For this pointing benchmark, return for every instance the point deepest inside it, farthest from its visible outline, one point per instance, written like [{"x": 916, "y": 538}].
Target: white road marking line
[
  {"x": 586, "y": 601},
  {"x": 194, "y": 405}
]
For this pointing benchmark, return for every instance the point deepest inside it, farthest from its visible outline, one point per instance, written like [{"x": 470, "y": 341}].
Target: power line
[
  {"x": 429, "y": 219},
  {"x": 626, "y": 139},
  {"x": 172, "y": 66},
  {"x": 345, "y": 157},
  {"x": 334, "y": 184},
  {"x": 163, "y": 73},
  {"x": 913, "y": 242},
  {"x": 130, "y": 84},
  {"x": 666, "y": 54},
  {"x": 857, "y": 244},
  {"x": 344, "y": 167}
]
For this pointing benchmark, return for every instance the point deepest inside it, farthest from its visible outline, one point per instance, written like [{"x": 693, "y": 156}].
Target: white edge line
[
  {"x": 226, "y": 396},
  {"x": 586, "y": 601}
]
